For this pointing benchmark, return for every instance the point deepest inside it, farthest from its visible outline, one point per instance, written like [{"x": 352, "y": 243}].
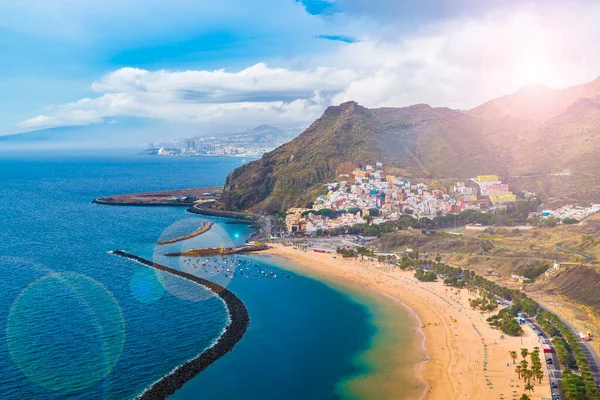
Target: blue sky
[{"x": 235, "y": 63}]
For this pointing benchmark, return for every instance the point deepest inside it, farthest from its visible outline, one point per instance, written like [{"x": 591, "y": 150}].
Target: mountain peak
[
  {"x": 347, "y": 107},
  {"x": 349, "y": 104}
]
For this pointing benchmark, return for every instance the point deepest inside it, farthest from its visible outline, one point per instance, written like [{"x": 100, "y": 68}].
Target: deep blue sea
[{"x": 81, "y": 323}]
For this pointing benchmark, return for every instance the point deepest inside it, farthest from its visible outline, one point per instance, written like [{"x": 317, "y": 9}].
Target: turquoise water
[{"x": 81, "y": 323}]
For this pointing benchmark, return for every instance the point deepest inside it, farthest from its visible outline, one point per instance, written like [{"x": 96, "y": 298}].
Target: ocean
[{"x": 81, "y": 323}]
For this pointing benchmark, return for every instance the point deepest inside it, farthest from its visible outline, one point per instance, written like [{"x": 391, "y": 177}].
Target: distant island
[{"x": 251, "y": 143}]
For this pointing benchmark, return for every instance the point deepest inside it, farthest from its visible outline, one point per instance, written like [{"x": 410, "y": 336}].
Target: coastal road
[
  {"x": 592, "y": 357},
  {"x": 554, "y": 372},
  {"x": 587, "y": 257}
]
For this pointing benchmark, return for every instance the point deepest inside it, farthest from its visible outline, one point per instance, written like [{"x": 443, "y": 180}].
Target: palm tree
[
  {"x": 524, "y": 364},
  {"x": 524, "y": 397},
  {"x": 539, "y": 375},
  {"x": 519, "y": 370},
  {"x": 528, "y": 387},
  {"x": 524, "y": 352},
  {"x": 513, "y": 355},
  {"x": 527, "y": 375}
]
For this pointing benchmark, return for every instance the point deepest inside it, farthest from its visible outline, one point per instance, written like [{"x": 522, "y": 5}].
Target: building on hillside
[
  {"x": 487, "y": 178},
  {"x": 520, "y": 278},
  {"x": 502, "y": 197},
  {"x": 463, "y": 189}
]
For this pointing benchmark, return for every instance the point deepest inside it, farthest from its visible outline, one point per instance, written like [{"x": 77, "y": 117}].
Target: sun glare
[{"x": 534, "y": 70}]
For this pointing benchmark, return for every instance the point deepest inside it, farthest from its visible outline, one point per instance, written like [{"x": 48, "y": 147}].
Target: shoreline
[
  {"x": 421, "y": 365},
  {"x": 395, "y": 354},
  {"x": 239, "y": 321},
  {"x": 466, "y": 358}
]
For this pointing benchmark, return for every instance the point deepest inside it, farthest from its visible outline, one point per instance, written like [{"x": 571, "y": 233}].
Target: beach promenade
[{"x": 467, "y": 359}]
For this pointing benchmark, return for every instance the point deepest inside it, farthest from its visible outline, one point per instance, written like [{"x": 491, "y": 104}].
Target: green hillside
[{"x": 550, "y": 148}]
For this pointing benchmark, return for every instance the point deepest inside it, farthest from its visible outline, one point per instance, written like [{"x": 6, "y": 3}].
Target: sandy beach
[{"x": 467, "y": 359}]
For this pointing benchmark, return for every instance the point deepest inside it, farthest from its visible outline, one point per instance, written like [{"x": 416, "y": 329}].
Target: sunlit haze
[
  {"x": 300, "y": 199},
  {"x": 207, "y": 69}
]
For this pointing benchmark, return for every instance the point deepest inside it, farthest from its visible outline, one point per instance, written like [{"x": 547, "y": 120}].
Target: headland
[{"x": 181, "y": 197}]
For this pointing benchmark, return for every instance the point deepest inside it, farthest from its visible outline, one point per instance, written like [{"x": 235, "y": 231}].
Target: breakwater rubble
[
  {"x": 203, "y": 229},
  {"x": 233, "y": 333},
  {"x": 215, "y": 251}
]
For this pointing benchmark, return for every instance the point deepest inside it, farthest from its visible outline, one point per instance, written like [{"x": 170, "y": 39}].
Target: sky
[{"x": 208, "y": 66}]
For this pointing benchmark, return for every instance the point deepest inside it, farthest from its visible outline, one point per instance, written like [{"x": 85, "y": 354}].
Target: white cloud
[
  {"x": 256, "y": 94},
  {"x": 458, "y": 63},
  {"x": 74, "y": 117}
]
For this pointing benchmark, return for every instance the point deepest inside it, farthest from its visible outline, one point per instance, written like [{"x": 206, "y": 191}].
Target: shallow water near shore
[
  {"x": 85, "y": 324},
  {"x": 388, "y": 366}
]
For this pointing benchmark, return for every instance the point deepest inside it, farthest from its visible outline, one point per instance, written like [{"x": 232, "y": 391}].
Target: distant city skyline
[{"x": 236, "y": 64}]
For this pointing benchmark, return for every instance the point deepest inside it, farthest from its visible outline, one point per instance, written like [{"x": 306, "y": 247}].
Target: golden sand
[{"x": 458, "y": 340}]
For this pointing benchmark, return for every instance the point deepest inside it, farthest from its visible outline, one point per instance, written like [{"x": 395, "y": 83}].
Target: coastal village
[{"x": 369, "y": 195}]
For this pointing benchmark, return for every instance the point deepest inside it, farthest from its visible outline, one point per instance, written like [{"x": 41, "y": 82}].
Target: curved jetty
[
  {"x": 203, "y": 229},
  {"x": 238, "y": 315}
]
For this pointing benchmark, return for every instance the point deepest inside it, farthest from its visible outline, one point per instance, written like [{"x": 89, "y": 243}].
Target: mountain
[
  {"x": 537, "y": 102},
  {"x": 124, "y": 132},
  {"x": 538, "y": 139}
]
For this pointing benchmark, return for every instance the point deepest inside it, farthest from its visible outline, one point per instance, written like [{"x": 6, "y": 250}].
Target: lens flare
[
  {"x": 65, "y": 332},
  {"x": 216, "y": 267}
]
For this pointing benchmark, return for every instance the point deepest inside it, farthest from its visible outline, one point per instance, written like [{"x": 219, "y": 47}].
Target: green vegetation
[
  {"x": 575, "y": 387},
  {"x": 486, "y": 302},
  {"x": 511, "y": 327},
  {"x": 529, "y": 375},
  {"x": 349, "y": 253},
  {"x": 325, "y": 212},
  {"x": 570, "y": 355},
  {"x": 373, "y": 212},
  {"x": 506, "y": 322},
  {"x": 425, "y": 276},
  {"x": 563, "y": 352},
  {"x": 532, "y": 271}
]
